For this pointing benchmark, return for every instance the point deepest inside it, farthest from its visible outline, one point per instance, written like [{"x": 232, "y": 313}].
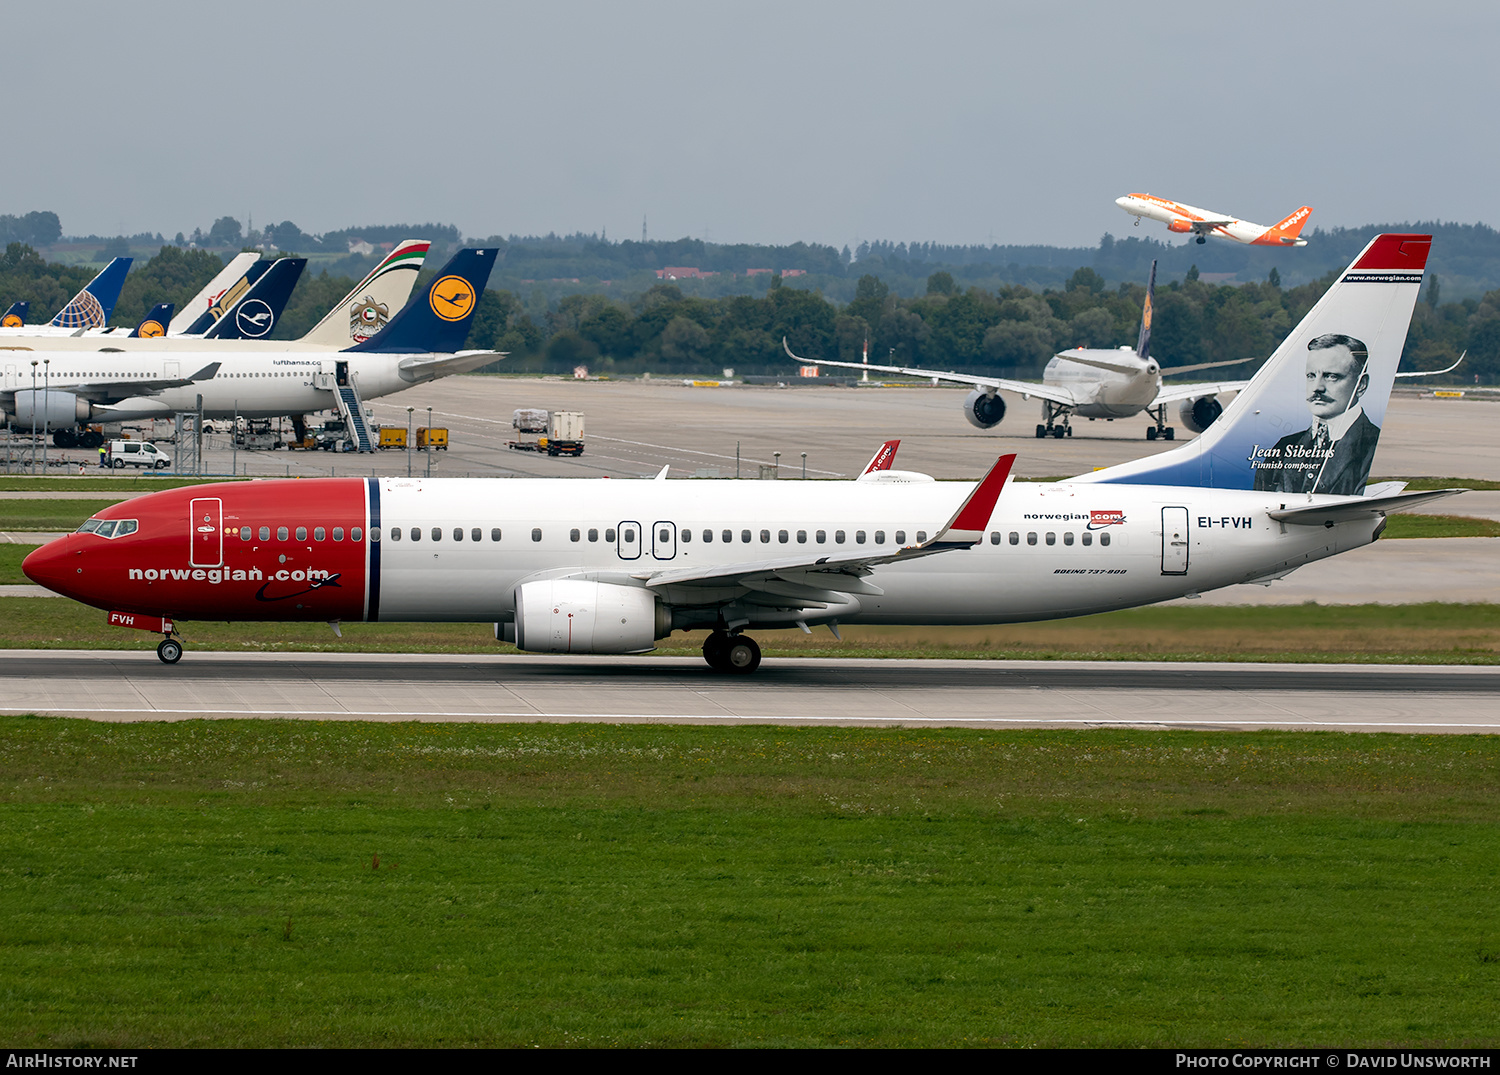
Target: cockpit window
[
  {"x": 126, "y": 526},
  {"x": 89, "y": 526},
  {"x": 106, "y": 528},
  {"x": 109, "y": 528}
]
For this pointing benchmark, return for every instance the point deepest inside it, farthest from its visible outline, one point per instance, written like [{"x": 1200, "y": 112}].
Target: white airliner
[
  {"x": 598, "y": 566},
  {"x": 354, "y": 318},
  {"x": 1183, "y": 219},
  {"x": 1089, "y": 382}
]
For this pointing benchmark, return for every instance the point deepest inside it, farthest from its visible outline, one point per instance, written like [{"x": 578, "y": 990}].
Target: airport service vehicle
[
  {"x": 1090, "y": 382},
  {"x": 134, "y": 453},
  {"x": 59, "y": 391},
  {"x": 607, "y": 566},
  {"x": 1183, "y": 219},
  {"x": 563, "y": 431},
  {"x": 240, "y": 317},
  {"x": 432, "y": 437},
  {"x": 392, "y": 437}
]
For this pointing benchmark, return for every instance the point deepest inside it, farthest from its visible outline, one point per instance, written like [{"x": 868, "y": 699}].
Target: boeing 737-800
[
  {"x": 1182, "y": 219},
  {"x": 592, "y": 565}
]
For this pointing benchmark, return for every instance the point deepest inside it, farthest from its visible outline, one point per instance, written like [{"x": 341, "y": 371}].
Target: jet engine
[
  {"x": 1198, "y": 414},
  {"x": 52, "y": 410},
  {"x": 1181, "y": 227},
  {"x": 984, "y": 410},
  {"x": 575, "y": 616}
]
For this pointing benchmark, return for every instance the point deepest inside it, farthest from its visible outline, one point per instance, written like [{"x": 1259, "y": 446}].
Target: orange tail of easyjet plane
[{"x": 1287, "y": 232}]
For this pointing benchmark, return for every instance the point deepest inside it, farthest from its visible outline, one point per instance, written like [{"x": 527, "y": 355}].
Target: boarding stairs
[{"x": 352, "y": 410}]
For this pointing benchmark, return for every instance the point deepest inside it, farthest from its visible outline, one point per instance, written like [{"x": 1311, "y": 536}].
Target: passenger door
[
  {"x": 1174, "y": 541},
  {"x": 207, "y": 529}
]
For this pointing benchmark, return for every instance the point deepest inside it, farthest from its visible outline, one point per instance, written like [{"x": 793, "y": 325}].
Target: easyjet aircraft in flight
[
  {"x": 1184, "y": 219},
  {"x": 598, "y": 566}
]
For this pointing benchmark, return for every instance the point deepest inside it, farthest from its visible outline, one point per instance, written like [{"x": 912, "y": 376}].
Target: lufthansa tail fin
[
  {"x": 256, "y": 314},
  {"x": 230, "y": 276},
  {"x": 1309, "y": 420},
  {"x": 437, "y": 319},
  {"x": 156, "y": 322},
  {"x": 1143, "y": 341},
  {"x": 225, "y": 300},
  {"x": 91, "y": 307},
  {"x": 1286, "y": 232},
  {"x": 15, "y": 317},
  {"x": 367, "y": 309}
]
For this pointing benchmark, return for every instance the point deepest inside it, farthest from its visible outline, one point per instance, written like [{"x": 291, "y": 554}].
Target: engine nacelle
[
  {"x": 1198, "y": 414},
  {"x": 984, "y": 410},
  {"x": 1181, "y": 227},
  {"x": 52, "y": 410},
  {"x": 574, "y": 616}
]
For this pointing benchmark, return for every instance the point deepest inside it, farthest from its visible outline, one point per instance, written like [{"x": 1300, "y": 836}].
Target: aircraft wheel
[
  {"x": 1041, "y": 431},
  {"x": 1070, "y": 429},
  {"x": 715, "y": 648},
  {"x": 170, "y": 651},
  {"x": 1150, "y": 432},
  {"x": 741, "y": 655},
  {"x": 1171, "y": 434},
  {"x": 1057, "y": 432},
  {"x": 1201, "y": 240},
  {"x": 91, "y": 439}
]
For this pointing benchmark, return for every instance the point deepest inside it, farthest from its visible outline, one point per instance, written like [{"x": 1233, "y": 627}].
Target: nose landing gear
[{"x": 169, "y": 650}]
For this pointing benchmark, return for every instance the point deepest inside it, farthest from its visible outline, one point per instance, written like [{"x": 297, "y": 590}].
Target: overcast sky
[{"x": 764, "y": 122}]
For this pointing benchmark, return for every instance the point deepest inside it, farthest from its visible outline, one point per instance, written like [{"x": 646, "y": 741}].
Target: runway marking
[{"x": 765, "y": 719}]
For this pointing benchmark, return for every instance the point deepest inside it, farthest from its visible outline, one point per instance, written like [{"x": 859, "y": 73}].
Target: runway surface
[{"x": 134, "y": 686}]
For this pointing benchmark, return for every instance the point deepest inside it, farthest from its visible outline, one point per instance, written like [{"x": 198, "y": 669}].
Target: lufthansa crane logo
[
  {"x": 451, "y": 298},
  {"x": 150, "y": 330},
  {"x": 11, "y": 321},
  {"x": 254, "y": 318}
]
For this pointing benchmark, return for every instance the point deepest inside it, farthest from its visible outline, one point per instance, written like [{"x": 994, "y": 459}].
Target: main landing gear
[
  {"x": 169, "y": 650},
  {"x": 1160, "y": 430},
  {"x": 731, "y": 653},
  {"x": 1054, "y": 423}
]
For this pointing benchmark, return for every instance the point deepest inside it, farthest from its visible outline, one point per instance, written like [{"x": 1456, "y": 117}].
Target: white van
[{"x": 135, "y": 453}]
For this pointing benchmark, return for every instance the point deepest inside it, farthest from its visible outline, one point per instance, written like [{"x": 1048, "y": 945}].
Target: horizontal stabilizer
[{"x": 1357, "y": 507}]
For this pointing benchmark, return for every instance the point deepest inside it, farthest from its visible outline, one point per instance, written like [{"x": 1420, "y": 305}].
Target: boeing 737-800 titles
[
  {"x": 1182, "y": 219},
  {"x": 598, "y": 566}
]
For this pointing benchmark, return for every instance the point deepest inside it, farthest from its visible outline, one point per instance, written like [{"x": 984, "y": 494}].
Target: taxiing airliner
[
  {"x": 593, "y": 565},
  {"x": 1182, "y": 219}
]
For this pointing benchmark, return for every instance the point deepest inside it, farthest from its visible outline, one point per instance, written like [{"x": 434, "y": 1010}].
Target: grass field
[
  {"x": 133, "y": 482},
  {"x": 284, "y": 884},
  {"x": 1432, "y": 633}
]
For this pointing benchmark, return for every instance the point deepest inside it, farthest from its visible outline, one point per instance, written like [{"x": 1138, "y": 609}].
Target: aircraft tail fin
[
  {"x": 256, "y": 313},
  {"x": 1310, "y": 418},
  {"x": 227, "y": 277},
  {"x": 367, "y": 309},
  {"x": 155, "y": 324},
  {"x": 1143, "y": 341},
  {"x": 15, "y": 317},
  {"x": 882, "y": 459},
  {"x": 437, "y": 319},
  {"x": 1286, "y": 232},
  {"x": 224, "y": 301},
  {"x": 92, "y": 307}
]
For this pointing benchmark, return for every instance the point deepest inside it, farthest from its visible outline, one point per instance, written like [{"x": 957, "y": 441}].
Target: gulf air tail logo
[
  {"x": 451, "y": 298},
  {"x": 150, "y": 330},
  {"x": 10, "y": 321}
]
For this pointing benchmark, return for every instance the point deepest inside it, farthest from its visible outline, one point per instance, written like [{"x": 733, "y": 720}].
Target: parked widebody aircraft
[
  {"x": 90, "y": 308},
  {"x": 417, "y": 345},
  {"x": 598, "y": 566},
  {"x": 1090, "y": 382},
  {"x": 1182, "y": 219}
]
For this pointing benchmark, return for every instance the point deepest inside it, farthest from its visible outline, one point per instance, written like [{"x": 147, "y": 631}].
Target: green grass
[
  {"x": 48, "y": 514},
  {"x": 1417, "y": 485},
  {"x": 268, "y": 883},
  {"x": 10, "y": 564},
  {"x": 1432, "y": 633},
  {"x": 129, "y": 482},
  {"x": 1439, "y": 526}
]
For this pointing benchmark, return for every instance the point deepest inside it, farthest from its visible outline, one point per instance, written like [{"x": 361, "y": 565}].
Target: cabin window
[
  {"x": 395, "y": 533},
  {"x": 1104, "y": 539},
  {"x": 282, "y": 533},
  {"x": 838, "y": 537},
  {"x": 801, "y": 537},
  {"x": 437, "y": 533},
  {"x": 593, "y": 533},
  {"x": 416, "y": 533},
  {"x": 880, "y": 537},
  {"x": 921, "y": 536},
  {"x": 338, "y": 533},
  {"x": 458, "y": 533},
  {"x": 301, "y": 533},
  {"x": 1068, "y": 538},
  {"x": 900, "y": 537},
  {"x": 726, "y": 536},
  {"x": 536, "y": 533},
  {"x": 765, "y": 537},
  {"x": 664, "y": 536},
  {"x": 319, "y": 533},
  {"x": 859, "y": 537},
  {"x": 1088, "y": 539},
  {"x": 708, "y": 537},
  {"x": 244, "y": 533},
  {"x": 745, "y": 536},
  {"x": 821, "y": 537},
  {"x": 994, "y": 537},
  {"x": 629, "y": 536},
  {"x": 1015, "y": 538},
  {"x": 1031, "y": 537},
  {"x": 476, "y": 534},
  {"x": 494, "y": 533},
  {"x": 356, "y": 534},
  {"x": 687, "y": 535},
  {"x": 782, "y": 536},
  {"x": 265, "y": 533},
  {"x": 575, "y": 535},
  {"x": 1051, "y": 538},
  {"x": 609, "y": 534}
]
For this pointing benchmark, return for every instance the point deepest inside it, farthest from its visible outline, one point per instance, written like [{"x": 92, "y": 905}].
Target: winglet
[
  {"x": 973, "y": 515},
  {"x": 883, "y": 458}
]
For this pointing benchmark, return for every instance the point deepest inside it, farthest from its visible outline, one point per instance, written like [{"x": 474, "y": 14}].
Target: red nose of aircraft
[{"x": 58, "y": 565}]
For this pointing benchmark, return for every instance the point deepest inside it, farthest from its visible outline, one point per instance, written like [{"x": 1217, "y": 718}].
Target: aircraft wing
[
  {"x": 1209, "y": 225},
  {"x": 114, "y": 391},
  {"x": 1023, "y": 388},
  {"x": 804, "y": 578},
  {"x": 1172, "y": 393}
]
